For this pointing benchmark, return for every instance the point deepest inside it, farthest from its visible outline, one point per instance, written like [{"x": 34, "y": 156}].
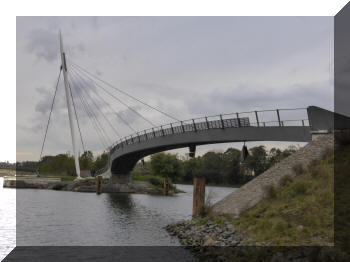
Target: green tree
[
  {"x": 86, "y": 160},
  {"x": 211, "y": 167},
  {"x": 191, "y": 169},
  {"x": 100, "y": 162},
  {"x": 166, "y": 165},
  {"x": 257, "y": 159},
  {"x": 57, "y": 164},
  {"x": 232, "y": 171}
]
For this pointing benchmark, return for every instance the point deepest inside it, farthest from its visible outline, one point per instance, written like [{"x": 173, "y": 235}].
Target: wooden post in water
[
  {"x": 99, "y": 185},
  {"x": 166, "y": 186},
  {"x": 198, "y": 196}
]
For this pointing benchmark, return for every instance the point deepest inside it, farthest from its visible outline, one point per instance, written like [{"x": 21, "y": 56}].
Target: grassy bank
[{"x": 299, "y": 212}]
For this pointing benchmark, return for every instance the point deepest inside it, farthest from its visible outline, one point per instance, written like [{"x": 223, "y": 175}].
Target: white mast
[{"x": 69, "y": 105}]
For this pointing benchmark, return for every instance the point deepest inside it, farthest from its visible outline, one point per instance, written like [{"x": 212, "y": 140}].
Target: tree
[
  {"x": 57, "y": 164},
  {"x": 276, "y": 155},
  {"x": 211, "y": 166},
  {"x": 100, "y": 162},
  {"x": 86, "y": 160},
  {"x": 257, "y": 160},
  {"x": 232, "y": 171},
  {"x": 191, "y": 168},
  {"x": 167, "y": 165}
]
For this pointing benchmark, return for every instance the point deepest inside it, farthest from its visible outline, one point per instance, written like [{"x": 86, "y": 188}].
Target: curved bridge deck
[{"x": 208, "y": 130}]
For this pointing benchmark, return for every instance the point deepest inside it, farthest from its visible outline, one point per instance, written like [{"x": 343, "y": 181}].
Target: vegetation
[
  {"x": 63, "y": 164},
  {"x": 218, "y": 168},
  {"x": 298, "y": 212},
  {"x": 224, "y": 168}
]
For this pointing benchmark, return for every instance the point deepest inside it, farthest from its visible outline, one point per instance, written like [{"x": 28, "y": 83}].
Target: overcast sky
[{"x": 187, "y": 66}]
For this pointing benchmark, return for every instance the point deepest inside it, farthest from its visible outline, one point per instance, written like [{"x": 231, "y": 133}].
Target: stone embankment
[
  {"x": 251, "y": 193},
  {"x": 215, "y": 242},
  {"x": 195, "y": 234}
]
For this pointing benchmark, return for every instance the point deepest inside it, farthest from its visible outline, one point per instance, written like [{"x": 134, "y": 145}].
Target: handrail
[{"x": 190, "y": 125}]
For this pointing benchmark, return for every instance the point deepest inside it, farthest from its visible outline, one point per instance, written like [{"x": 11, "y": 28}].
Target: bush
[
  {"x": 270, "y": 191},
  {"x": 298, "y": 169},
  {"x": 286, "y": 180},
  {"x": 156, "y": 181},
  {"x": 299, "y": 188},
  {"x": 208, "y": 205}
]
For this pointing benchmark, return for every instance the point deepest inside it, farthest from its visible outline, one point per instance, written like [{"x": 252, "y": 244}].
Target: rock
[
  {"x": 208, "y": 242},
  {"x": 229, "y": 227}
]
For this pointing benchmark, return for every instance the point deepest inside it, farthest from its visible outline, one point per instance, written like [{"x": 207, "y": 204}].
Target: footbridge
[
  {"x": 237, "y": 127},
  {"x": 95, "y": 96}
]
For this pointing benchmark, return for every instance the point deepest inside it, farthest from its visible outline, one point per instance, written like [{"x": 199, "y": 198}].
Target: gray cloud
[
  {"x": 43, "y": 44},
  {"x": 187, "y": 66}
]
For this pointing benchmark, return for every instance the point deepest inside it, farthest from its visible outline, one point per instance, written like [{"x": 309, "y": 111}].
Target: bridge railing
[{"x": 262, "y": 118}]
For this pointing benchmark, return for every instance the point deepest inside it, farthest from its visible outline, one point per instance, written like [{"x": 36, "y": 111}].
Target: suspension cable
[
  {"x": 123, "y": 92},
  {"x": 93, "y": 121},
  {"x": 108, "y": 139},
  {"x": 99, "y": 110},
  {"x": 48, "y": 121},
  {"x": 104, "y": 101},
  {"x": 122, "y": 102},
  {"x": 76, "y": 116}
]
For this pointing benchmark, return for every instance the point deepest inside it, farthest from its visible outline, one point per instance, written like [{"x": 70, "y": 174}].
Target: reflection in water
[
  {"x": 121, "y": 201},
  {"x": 60, "y": 218}
]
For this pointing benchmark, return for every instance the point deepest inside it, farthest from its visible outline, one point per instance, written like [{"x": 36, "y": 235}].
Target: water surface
[{"x": 60, "y": 218}]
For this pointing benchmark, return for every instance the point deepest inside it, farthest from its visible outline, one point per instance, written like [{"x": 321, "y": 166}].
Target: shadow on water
[{"x": 123, "y": 202}]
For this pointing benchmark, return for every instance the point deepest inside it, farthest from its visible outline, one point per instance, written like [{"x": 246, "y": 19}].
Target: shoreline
[
  {"x": 84, "y": 185},
  {"x": 211, "y": 239}
]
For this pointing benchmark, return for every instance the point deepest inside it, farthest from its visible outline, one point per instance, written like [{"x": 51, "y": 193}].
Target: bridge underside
[{"x": 123, "y": 160}]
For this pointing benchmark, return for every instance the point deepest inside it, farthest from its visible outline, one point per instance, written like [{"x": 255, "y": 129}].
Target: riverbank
[
  {"x": 83, "y": 185},
  {"x": 298, "y": 212}
]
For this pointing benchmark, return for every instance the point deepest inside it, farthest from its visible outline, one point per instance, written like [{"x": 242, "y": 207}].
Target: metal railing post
[
  {"x": 172, "y": 129},
  {"x": 183, "y": 129},
  {"x": 278, "y": 115},
  {"x": 206, "y": 120},
  {"x": 194, "y": 126},
  {"x": 222, "y": 122},
  {"x": 238, "y": 121},
  {"x": 257, "y": 118}
]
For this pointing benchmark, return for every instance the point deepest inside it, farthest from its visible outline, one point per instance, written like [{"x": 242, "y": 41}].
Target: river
[{"x": 61, "y": 218}]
